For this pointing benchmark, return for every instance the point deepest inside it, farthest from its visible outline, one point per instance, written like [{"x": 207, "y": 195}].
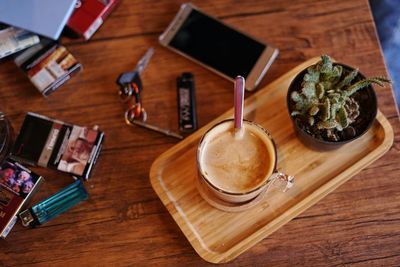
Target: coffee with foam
[{"x": 236, "y": 164}]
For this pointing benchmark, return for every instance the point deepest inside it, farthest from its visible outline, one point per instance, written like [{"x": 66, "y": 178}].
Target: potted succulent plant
[{"x": 331, "y": 103}]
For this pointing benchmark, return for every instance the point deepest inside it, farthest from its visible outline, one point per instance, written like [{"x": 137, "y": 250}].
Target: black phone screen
[{"x": 216, "y": 45}]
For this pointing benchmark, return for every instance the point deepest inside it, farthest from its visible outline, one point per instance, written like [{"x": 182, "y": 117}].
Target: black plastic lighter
[{"x": 186, "y": 102}]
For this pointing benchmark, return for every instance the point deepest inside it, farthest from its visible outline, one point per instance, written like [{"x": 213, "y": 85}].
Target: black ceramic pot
[{"x": 366, "y": 98}]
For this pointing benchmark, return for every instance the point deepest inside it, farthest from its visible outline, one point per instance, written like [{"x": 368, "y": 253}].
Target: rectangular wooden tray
[{"x": 219, "y": 236}]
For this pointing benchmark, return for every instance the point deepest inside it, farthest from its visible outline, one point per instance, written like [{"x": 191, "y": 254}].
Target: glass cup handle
[{"x": 281, "y": 181}]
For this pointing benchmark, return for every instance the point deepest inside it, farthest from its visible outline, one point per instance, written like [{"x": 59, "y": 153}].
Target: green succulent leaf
[
  {"x": 295, "y": 96},
  {"x": 313, "y": 110},
  {"x": 326, "y": 64},
  {"x": 312, "y": 75},
  {"x": 366, "y": 82},
  {"x": 380, "y": 80},
  {"x": 325, "y": 110},
  {"x": 339, "y": 127},
  {"x": 334, "y": 108},
  {"x": 342, "y": 118},
  {"x": 347, "y": 80},
  {"x": 327, "y": 85},
  {"x": 338, "y": 70},
  {"x": 327, "y": 124},
  {"x": 309, "y": 90},
  {"x": 304, "y": 104},
  {"x": 352, "y": 109},
  {"x": 357, "y": 86},
  {"x": 319, "y": 89}
]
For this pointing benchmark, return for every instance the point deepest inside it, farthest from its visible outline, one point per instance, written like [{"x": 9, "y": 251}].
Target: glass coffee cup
[{"x": 237, "y": 169}]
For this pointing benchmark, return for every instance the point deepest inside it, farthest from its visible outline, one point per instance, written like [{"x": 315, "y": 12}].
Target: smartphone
[{"x": 217, "y": 46}]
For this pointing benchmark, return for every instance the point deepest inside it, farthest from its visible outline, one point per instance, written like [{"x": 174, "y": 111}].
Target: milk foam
[{"x": 237, "y": 165}]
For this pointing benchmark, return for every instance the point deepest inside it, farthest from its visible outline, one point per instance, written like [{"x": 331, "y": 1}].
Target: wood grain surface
[{"x": 124, "y": 223}]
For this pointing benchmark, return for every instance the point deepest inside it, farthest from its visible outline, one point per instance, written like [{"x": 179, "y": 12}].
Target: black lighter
[{"x": 186, "y": 102}]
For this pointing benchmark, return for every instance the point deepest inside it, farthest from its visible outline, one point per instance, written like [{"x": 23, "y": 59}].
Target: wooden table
[{"x": 124, "y": 222}]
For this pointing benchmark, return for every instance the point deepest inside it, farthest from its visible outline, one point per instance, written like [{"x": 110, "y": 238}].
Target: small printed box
[
  {"x": 17, "y": 185},
  {"x": 57, "y": 145},
  {"x": 13, "y": 40},
  {"x": 48, "y": 65},
  {"x": 89, "y": 15}
]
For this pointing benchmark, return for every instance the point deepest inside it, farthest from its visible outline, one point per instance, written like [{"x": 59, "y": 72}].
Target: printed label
[
  {"x": 49, "y": 146},
  {"x": 93, "y": 28},
  {"x": 42, "y": 79},
  {"x": 55, "y": 69}
]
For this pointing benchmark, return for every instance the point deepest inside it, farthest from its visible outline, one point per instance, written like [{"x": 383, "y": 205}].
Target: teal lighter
[{"x": 54, "y": 205}]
